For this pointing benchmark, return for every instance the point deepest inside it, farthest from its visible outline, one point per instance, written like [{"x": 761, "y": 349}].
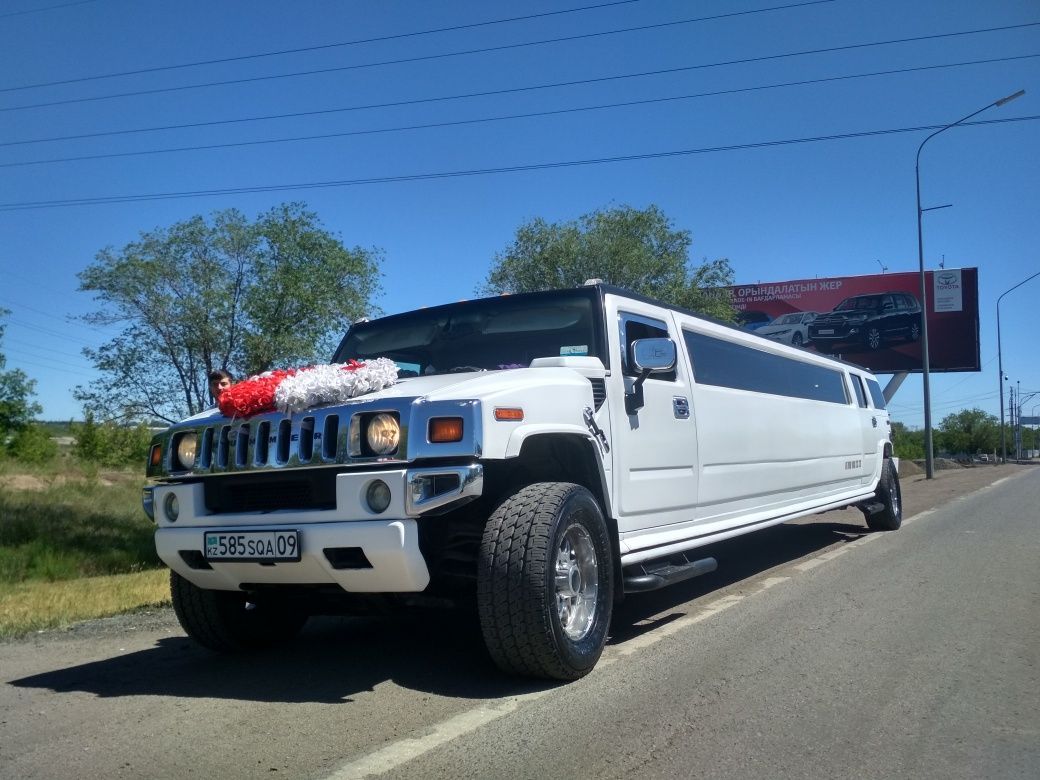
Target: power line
[
  {"x": 404, "y": 60},
  {"x": 45, "y": 8},
  {"x": 510, "y": 90},
  {"x": 304, "y": 49},
  {"x": 27, "y": 205},
  {"x": 528, "y": 115}
]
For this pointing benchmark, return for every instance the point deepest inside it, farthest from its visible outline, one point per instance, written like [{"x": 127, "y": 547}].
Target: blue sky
[{"x": 789, "y": 211}]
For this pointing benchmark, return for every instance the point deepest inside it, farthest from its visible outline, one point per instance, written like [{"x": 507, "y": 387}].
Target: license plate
[
  {"x": 252, "y": 546},
  {"x": 826, "y": 331}
]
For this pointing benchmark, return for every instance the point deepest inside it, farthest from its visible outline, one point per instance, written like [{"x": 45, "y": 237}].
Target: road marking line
[{"x": 397, "y": 753}]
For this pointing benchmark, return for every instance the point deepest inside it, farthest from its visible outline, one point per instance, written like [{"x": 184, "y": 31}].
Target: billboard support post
[
  {"x": 1000, "y": 368},
  {"x": 929, "y": 456}
]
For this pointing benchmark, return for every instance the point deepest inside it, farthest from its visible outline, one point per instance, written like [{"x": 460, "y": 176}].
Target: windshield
[
  {"x": 490, "y": 334},
  {"x": 861, "y": 302},
  {"x": 789, "y": 319}
]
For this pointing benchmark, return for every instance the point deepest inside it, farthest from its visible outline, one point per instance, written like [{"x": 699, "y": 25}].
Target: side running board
[{"x": 657, "y": 574}]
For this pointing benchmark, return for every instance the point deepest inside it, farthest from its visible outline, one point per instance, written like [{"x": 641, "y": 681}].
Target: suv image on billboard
[{"x": 867, "y": 322}]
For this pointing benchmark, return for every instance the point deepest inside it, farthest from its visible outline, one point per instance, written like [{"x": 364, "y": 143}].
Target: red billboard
[{"x": 875, "y": 321}]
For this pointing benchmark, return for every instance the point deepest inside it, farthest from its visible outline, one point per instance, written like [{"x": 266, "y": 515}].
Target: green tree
[
  {"x": 969, "y": 431},
  {"x": 223, "y": 293},
  {"x": 17, "y": 409},
  {"x": 640, "y": 250},
  {"x": 907, "y": 443}
]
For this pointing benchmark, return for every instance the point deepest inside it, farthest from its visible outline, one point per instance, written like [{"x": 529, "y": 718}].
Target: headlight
[
  {"x": 184, "y": 450},
  {"x": 383, "y": 434}
]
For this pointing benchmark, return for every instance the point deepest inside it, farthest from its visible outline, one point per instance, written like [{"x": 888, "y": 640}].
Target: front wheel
[
  {"x": 888, "y": 494},
  {"x": 225, "y": 621},
  {"x": 545, "y": 582}
]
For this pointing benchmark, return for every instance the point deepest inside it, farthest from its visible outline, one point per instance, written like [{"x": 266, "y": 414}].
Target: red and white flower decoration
[{"x": 295, "y": 389}]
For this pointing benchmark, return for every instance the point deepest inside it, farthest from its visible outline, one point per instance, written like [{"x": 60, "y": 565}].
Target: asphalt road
[{"x": 816, "y": 650}]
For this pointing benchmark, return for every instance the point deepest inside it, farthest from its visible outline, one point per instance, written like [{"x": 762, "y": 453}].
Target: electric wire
[
  {"x": 398, "y": 36},
  {"x": 323, "y": 71},
  {"x": 298, "y": 186},
  {"x": 45, "y": 8},
  {"x": 509, "y": 117},
  {"x": 489, "y": 93}
]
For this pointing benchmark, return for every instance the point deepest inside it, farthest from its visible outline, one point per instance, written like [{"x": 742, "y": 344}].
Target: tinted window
[
  {"x": 875, "y": 394},
  {"x": 725, "y": 364},
  {"x": 495, "y": 333},
  {"x": 857, "y": 386}
]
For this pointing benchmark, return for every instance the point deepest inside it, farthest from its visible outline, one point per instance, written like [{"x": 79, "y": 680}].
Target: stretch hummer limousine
[{"x": 538, "y": 455}]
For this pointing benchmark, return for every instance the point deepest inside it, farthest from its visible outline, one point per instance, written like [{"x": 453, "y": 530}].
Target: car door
[{"x": 656, "y": 447}]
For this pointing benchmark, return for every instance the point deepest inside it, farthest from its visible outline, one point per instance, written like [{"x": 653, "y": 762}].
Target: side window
[
  {"x": 727, "y": 364},
  {"x": 857, "y": 386},
  {"x": 887, "y": 304},
  {"x": 875, "y": 394},
  {"x": 634, "y": 327}
]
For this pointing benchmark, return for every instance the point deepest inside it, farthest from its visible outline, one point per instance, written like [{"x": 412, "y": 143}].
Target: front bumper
[{"x": 391, "y": 561}]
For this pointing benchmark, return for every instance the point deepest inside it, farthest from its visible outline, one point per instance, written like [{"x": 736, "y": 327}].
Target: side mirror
[
  {"x": 653, "y": 356},
  {"x": 648, "y": 356}
]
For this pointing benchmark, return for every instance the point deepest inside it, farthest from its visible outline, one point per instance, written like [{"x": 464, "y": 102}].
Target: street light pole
[
  {"x": 1000, "y": 368},
  {"x": 929, "y": 458}
]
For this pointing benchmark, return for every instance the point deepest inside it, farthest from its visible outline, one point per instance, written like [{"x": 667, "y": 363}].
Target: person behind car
[{"x": 219, "y": 381}]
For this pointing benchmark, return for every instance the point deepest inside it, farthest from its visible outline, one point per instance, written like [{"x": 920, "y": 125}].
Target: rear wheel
[
  {"x": 915, "y": 331},
  {"x": 545, "y": 582},
  {"x": 226, "y": 621},
  {"x": 873, "y": 338},
  {"x": 888, "y": 494}
]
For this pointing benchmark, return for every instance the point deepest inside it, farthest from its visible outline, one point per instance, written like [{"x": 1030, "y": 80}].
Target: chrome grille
[{"x": 274, "y": 441}]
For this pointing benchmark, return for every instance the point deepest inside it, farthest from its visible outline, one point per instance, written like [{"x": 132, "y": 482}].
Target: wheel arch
[{"x": 558, "y": 457}]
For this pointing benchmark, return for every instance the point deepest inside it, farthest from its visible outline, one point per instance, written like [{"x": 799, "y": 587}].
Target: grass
[
  {"x": 35, "y": 606},
  {"x": 74, "y": 545}
]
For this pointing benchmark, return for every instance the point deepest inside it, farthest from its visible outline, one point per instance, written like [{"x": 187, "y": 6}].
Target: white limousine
[{"x": 539, "y": 455}]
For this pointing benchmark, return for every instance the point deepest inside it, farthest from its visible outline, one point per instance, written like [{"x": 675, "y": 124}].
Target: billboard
[{"x": 874, "y": 320}]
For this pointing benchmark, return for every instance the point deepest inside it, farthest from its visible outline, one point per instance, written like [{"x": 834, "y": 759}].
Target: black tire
[
  {"x": 873, "y": 339},
  {"x": 890, "y": 517},
  {"x": 226, "y": 622},
  {"x": 796, "y": 340},
  {"x": 536, "y": 623}
]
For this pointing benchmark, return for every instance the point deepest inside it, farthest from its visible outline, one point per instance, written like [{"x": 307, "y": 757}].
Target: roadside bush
[
  {"x": 109, "y": 444},
  {"x": 33, "y": 444}
]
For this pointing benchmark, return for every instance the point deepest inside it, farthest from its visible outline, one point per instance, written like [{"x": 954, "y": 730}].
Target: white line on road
[{"x": 397, "y": 753}]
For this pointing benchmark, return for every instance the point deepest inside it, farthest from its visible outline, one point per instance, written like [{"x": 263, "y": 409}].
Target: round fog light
[
  {"x": 377, "y": 495},
  {"x": 171, "y": 507}
]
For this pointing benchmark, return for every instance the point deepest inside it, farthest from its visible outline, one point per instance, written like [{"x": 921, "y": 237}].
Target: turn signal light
[
  {"x": 445, "y": 429},
  {"x": 509, "y": 415},
  {"x": 155, "y": 457}
]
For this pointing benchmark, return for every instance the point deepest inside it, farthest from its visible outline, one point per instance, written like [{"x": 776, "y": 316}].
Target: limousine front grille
[{"x": 262, "y": 443}]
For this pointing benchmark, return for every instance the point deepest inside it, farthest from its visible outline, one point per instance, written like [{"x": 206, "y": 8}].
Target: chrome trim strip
[{"x": 471, "y": 485}]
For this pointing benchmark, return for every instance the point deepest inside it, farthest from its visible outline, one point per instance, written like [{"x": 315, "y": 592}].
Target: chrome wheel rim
[
  {"x": 874, "y": 339},
  {"x": 893, "y": 492},
  {"x": 577, "y": 583}
]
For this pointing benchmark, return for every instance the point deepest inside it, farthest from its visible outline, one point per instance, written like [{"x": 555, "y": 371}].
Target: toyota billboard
[{"x": 875, "y": 321}]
